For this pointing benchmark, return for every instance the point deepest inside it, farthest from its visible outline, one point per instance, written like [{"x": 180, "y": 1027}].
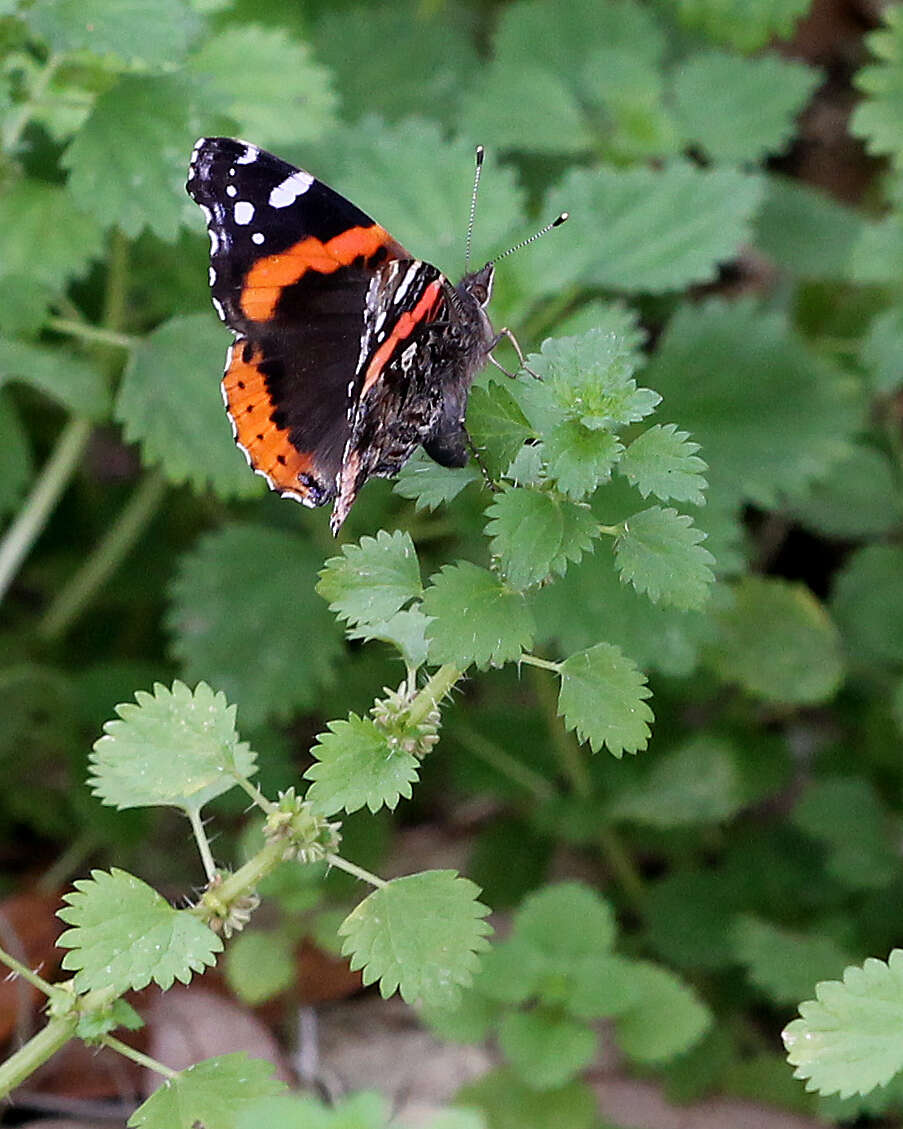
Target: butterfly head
[{"x": 479, "y": 284}]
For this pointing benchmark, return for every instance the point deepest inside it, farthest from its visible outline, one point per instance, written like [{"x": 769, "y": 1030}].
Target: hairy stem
[
  {"x": 138, "y": 1056},
  {"x": 200, "y": 837},
  {"x": 358, "y": 871},
  {"x": 36, "y": 1052},
  {"x": 433, "y": 693},
  {"x": 504, "y": 763}
]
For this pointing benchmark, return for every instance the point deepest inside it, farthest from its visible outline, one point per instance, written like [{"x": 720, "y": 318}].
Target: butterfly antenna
[
  {"x": 557, "y": 222},
  {"x": 473, "y": 208}
]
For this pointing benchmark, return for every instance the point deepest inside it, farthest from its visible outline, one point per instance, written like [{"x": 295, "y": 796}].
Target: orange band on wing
[
  {"x": 269, "y": 276},
  {"x": 403, "y": 328},
  {"x": 267, "y": 446}
]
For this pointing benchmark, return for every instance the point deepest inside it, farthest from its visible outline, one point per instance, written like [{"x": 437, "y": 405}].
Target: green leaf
[
  {"x": 431, "y": 485},
  {"x": 868, "y": 603},
  {"x": 591, "y": 923},
  {"x": 744, "y": 24},
  {"x": 356, "y": 765},
  {"x": 796, "y": 415},
  {"x": 15, "y": 456},
  {"x": 141, "y": 155},
  {"x": 419, "y": 935},
  {"x": 475, "y": 618},
  {"x": 604, "y": 986},
  {"x": 877, "y": 118},
  {"x": 534, "y": 534},
  {"x": 32, "y": 215},
  {"x": 695, "y": 783},
  {"x": 24, "y": 304},
  {"x": 881, "y": 351},
  {"x": 510, "y": 1104},
  {"x": 140, "y": 33},
  {"x": 268, "y": 83},
  {"x": 602, "y": 697},
  {"x": 663, "y": 461},
  {"x": 848, "y": 817},
  {"x": 125, "y": 936},
  {"x": 738, "y": 110},
  {"x": 373, "y": 579},
  {"x": 238, "y": 583},
  {"x": 847, "y": 1040},
  {"x": 496, "y": 425},
  {"x": 170, "y": 402},
  {"x": 875, "y": 255},
  {"x": 666, "y": 1019},
  {"x": 578, "y": 459},
  {"x": 73, "y": 383},
  {"x": 406, "y": 631},
  {"x": 365, "y": 1110},
  {"x": 859, "y": 498},
  {"x": 659, "y": 552},
  {"x": 778, "y": 642},
  {"x": 783, "y": 964},
  {"x": 174, "y": 747},
  {"x": 808, "y": 234},
  {"x": 652, "y": 230},
  {"x": 544, "y": 1048},
  {"x": 211, "y": 1093},
  {"x": 259, "y": 965}
]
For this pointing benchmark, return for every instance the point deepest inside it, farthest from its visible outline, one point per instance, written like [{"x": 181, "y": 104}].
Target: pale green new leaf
[
  {"x": 546, "y": 1049},
  {"x": 744, "y": 24},
  {"x": 34, "y": 214},
  {"x": 602, "y": 698},
  {"x": 738, "y": 110},
  {"x": 372, "y": 580},
  {"x": 534, "y": 534},
  {"x": 212, "y": 1093},
  {"x": 431, "y": 485},
  {"x": 475, "y": 618},
  {"x": 356, "y": 766},
  {"x": 245, "y": 616},
  {"x": 267, "y": 82},
  {"x": 785, "y": 965},
  {"x": 169, "y": 401},
  {"x": 663, "y": 461},
  {"x": 848, "y": 1039},
  {"x": 879, "y": 117},
  {"x": 124, "y": 936},
  {"x": 579, "y": 459},
  {"x": 174, "y": 747},
  {"x": 658, "y": 551},
  {"x": 260, "y": 965},
  {"x": 666, "y": 1018},
  {"x": 73, "y": 383},
  {"x": 778, "y": 642},
  {"x": 419, "y": 935}
]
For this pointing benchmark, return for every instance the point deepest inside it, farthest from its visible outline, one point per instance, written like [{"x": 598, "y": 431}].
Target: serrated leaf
[
  {"x": 431, "y": 485},
  {"x": 881, "y": 350},
  {"x": 169, "y": 401},
  {"x": 578, "y": 459},
  {"x": 475, "y": 618},
  {"x": 797, "y": 414},
  {"x": 867, "y": 603},
  {"x": 534, "y": 534},
  {"x": 419, "y": 935},
  {"x": 778, "y": 642},
  {"x": 241, "y": 581},
  {"x": 142, "y": 156},
  {"x": 406, "y": 631},
  {"x": 806, "y": 232},
  {"x": 125, "y": 936},
  {"x": 695, "y": 783},
  {"x": 738, "y": 110},
  {"x": 602, "y": 698},
  {"x": 268, "y": 83},
  {"x": 665, "y": 1020},
  {"x": 783, "y": 964},
  {"x": 663, "y": 461},
  {"x": 140, "y": 33},
  {"x": 73, "y": 383},
  {"x": 877, "y": 118},
  {"x": 652, "y": 230},
  {"x": 496, "y": 425},
  {"x": 259, "y": 965},
  {"x": 744, "y": 24},
  {"x": 372, "y": 580},
  {"x": 211, "y": 1093},
  {"x": 847, "y": 1040},
  {"x": 659, "y": 552},
  {"x": 546, "y": 1049},
  {"x": 356, "y": 765},
  {"x": 174, "y": 747},
  {"x": 33, "y": 214}
]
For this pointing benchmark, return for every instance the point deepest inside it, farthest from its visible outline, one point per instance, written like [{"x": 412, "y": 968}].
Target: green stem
[
  {"x": 358, "y": 871},
  {"x": 568, "y": 752},
  {"x": 72, "y": 858},
  {"x": 433, "y": 693},
  {"x": 257, "y": 797},
  {"x": 622, "y": 866},
  {"x": 116, "y": 292},
  {"x": 200, "y": 837},
  {"x": 33, "y": 516},
  {"x": 611, "y": 530},
  {"x": 247, "y": 878},
  {"x": 36, "y": 1052},
  {"x": 139, "y": 1057},
  {"x": 543, "y": 664},
  {"x": 503, "y": 762},
  {"x": 106, "y": 557},
  {"x": 17, "y": 121},
  {"x": 25, "y": 972},
  {"x": 85, "y": 331}
]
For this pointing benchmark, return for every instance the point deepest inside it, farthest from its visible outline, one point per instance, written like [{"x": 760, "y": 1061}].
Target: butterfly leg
[{"x": 506, "y": 332}]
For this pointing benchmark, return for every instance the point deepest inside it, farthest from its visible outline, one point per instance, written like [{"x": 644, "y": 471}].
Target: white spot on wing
[
  {"x": 231, "y": 190},
  {"x": 211, "y": 276},
  {"x": 290, "y": 189},
  {"x": 218, "y": 306},
  {"x": 244, "y": 212},
  {"x": 257, "y": 237},
  {"x": 249, "y": 156}
]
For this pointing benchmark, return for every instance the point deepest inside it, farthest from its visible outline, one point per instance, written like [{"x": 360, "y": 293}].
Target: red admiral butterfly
[{"x": 350, "y": 351}]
